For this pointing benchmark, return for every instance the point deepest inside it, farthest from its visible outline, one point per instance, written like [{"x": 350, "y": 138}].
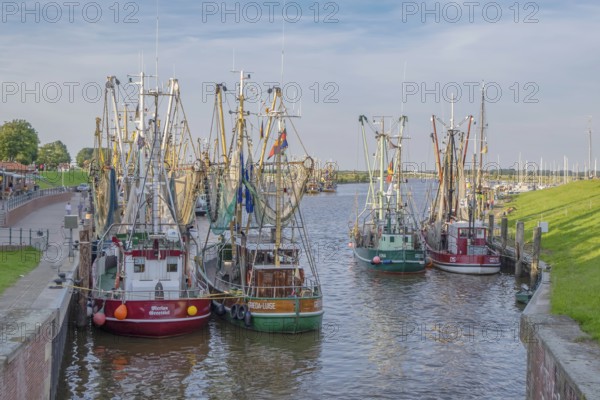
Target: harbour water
[{"x": 429, "y": 336}]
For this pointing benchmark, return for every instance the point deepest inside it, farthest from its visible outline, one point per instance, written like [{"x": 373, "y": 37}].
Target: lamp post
[{"x": 591, "y": 174}]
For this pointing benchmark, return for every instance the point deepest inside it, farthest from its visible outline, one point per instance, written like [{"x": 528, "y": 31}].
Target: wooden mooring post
[
  {"x": 504, "y": 232},
  {"x": 535, "y": 257},
  {"x": 491, "y": 228},
  {"x": 519, "y": 244},
  {"x": 85, "y": 259}
]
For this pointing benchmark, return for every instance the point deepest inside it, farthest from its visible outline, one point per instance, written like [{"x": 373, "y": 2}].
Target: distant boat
[
  {"x": 456, "y": 240},
  {"x": 385, "y": 235},
  {"x": 313, "y": 185},
  {"x": 261, "y": 270},
  {"x": 329, "y": 177},
  {"x": 143, "y": 282}
]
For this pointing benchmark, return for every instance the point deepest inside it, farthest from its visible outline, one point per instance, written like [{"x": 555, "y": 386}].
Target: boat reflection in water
[{"x": 221, "y": 361}]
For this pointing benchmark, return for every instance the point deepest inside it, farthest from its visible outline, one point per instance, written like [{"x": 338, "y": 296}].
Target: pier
[
  {"x": 34, "y": 311},
  {"x": 562, "y": 360}
]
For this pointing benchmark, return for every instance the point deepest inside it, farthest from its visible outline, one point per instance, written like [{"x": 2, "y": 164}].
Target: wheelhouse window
[
  {"x": 171, "y": 264},
  {"x": 139, "y": 264}
]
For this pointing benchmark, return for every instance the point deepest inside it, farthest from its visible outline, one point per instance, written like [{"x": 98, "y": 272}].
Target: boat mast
[
  {"x": 278, "y": 196},
  {"x": 398, "y": 167},
  {"x": 479, "y": 169},
  {"x": 451, "y": 133},
  {"x": 240, "y": 143},
  {"x": 156, "y": 151},
  {"x": 219, "y": 100},
  {"x": 362, "y": 120},
  {"x": 267, "y": 132},
  {"x": 140, "y": 145},
  {"x": 381, "y": 144},
  {"x": 436, "y": 145}
]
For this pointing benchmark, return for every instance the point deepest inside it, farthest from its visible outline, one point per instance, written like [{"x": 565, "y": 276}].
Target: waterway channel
[{"x": 431, "y": 336}]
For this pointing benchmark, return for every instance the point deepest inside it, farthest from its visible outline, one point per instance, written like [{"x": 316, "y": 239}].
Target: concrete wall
[
  {"x": 562, "y": 361},
  {"x": 13, "y": 216},
  {"x": 26, "y": 353},
  {"x": 32, "y": 342}
]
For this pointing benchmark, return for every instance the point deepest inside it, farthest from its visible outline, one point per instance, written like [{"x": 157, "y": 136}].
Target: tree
[
  {"x": 18, "y": 142},
  {"x": 53, "y": 154},
  {"x": 84, "y": 156}
]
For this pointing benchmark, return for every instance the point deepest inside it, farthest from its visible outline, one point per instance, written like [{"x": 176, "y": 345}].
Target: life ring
[
  {"x": 233, "y": 311},
  {"x": 241, "y": 312}
]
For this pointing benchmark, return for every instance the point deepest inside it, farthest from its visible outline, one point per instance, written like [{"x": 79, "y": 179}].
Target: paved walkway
[{"x": 25, "y": 292}]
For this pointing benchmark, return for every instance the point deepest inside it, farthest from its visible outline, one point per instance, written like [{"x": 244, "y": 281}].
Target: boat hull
[
  {"x": 486, "y": 264},
  {"x": 396, "y": 261},
  {"x": 154, "y": 318},
  {"x": 276, "y": 315}
]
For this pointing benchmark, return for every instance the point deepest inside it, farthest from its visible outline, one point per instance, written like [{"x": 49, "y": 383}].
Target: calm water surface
[{"x": 432, "y": 336}]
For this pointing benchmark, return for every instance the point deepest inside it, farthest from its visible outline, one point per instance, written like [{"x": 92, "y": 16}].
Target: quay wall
[
  {"x": 563, "y": 362},
  {"x": 32, "y": 343}
]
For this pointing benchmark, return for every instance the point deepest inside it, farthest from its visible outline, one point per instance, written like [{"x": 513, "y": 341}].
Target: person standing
[
  {"x": 68, "y": 208},
  {"x": 80, "y": 210}
]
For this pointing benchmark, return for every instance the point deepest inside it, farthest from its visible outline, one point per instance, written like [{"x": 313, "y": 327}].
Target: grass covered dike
[{"x": 571, "y": 246}]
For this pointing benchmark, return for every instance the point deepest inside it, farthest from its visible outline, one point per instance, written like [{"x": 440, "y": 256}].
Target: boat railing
[
  {"x": 145, "y": 228},
  {"x": 129, "y": 295},
  {"x": 310, "y": 288}
]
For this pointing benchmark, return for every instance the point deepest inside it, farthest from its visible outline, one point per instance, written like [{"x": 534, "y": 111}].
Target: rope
[{"x": 220, "y": 296}]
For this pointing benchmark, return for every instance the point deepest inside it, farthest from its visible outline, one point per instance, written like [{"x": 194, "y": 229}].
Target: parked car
[
  {"x": 201, "y": 205},
  {"x": 83, "y": 187}
]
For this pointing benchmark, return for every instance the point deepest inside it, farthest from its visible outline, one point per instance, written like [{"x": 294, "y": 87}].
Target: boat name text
[
  {"x": 159, "y": 310},
  {"x": 261, "y": 306}
]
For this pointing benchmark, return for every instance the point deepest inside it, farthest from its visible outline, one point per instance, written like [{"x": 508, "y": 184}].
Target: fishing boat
[
  {"x": 330, "y": 177},
  {"x": 145, "y": 180},
  {"x": 313, "y": 186},
  {"x": 385, "y": 234},
  {"x": 456, "y": 239},
  {"x": 260, "y": 267}
]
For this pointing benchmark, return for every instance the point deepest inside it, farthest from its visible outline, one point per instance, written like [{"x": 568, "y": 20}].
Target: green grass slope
[
  {"x": 571, "y": 247},
  {"x": 16, "y": 263}
]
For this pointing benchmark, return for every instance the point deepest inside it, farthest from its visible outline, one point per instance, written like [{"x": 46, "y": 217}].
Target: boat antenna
[
  {"x": 156, "y": 45},
  {"x": 282, "y": 43},
  {"x": 403, "y": 80}
]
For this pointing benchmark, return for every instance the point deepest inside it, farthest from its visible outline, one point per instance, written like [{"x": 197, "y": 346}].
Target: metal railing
[
  {"x": 15, "y": 201},
  {"x": 199, "y": 292},
  {"x": 37, "y": 238}
]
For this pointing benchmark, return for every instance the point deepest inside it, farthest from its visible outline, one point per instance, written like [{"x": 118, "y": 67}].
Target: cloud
[{"x": 357, "y": 63}]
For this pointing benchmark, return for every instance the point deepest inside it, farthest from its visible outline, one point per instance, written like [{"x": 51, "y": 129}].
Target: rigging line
[
  {"x": 294, "y": 129},
  {"x": 139, "y": 202}
]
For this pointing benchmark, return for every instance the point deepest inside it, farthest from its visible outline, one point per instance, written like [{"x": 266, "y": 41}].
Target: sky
[{"x": 337, "y": 60}]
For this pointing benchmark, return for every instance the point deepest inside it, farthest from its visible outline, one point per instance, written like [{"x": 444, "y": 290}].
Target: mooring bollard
[
  {"x": 535, "y": 257},
  {"x": 85, "y": 260},
  {"x": 504, "y": 232},
  {"x": 519, "y": 243}
]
